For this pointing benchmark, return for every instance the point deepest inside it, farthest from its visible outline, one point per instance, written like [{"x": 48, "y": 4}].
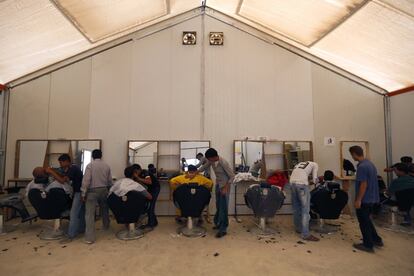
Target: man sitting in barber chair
[
  {"x": 43, "y": 180},
  {"x": 327, "y": 199},
  {"x": 402, "y": 189},
  {"x": 190, "y": 177},
  {"x": 124, "y": 185}
]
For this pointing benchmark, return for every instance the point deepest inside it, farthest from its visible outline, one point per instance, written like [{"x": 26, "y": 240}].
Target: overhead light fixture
[
  {"x": 189, "y": 38},
  {"x": 216, "y": 38}
]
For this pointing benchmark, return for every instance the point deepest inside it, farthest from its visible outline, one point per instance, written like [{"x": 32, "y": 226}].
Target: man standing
[
  {"x": 71, "y": 172},
  {"x": 367, "y": 195},
  {"x": 202, "y": 161},
  {"x": 299, "y": 183},
  {"x": 224, "y": 177},
  {"x": 95, "y": 184}
]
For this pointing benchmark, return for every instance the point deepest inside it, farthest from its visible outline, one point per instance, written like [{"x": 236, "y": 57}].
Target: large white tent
[{"x": 372, "y": 41}]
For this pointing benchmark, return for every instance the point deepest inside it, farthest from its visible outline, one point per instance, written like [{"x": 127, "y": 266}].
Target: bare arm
[
  {"x": 360, "y": 195},
  {"x": 147, "y": 180},
  {"x": 59, "y": 178}
]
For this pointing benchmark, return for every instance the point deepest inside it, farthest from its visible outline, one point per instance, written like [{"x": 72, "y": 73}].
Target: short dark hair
[
  {"x": 64, "y": 157},
  {"x": 136, "y": 167},
  {"x": 151, "y": 166},
  {"x": 406, "y": 159},
  {"x": 96, "y": 154},
  {"x": 129, "y": 171},
  {"x": 357, "y": 150},
  {"x": 192, "y": 168},
  {"x": 210, "y": 153},
  {"x": 402, "y": 167},
  {"x": 199, "y": 154},
  {"x": 328, "y": 175}
]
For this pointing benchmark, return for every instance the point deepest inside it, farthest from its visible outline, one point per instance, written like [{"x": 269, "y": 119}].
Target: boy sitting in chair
[{"x": 190, "y": 177}]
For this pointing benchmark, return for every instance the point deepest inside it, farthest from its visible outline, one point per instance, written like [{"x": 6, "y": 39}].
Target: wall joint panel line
[
  {"x": 202, "y": 79},
  {"x": 388, "y": 135},
  {"x": 3, "y": 141}
]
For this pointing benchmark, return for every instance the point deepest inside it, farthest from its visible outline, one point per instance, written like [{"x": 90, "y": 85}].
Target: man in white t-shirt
[
  {"x": 127, "y": 184},
  {"x": 299, "y": 182}
]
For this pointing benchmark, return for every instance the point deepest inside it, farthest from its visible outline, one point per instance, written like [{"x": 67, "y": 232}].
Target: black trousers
[
  {"x": 369, "y": 233},
  {"x": 152, "y": 217}
]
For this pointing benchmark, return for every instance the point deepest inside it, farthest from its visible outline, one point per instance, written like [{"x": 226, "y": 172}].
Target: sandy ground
[{"x": 162, "y": 252}]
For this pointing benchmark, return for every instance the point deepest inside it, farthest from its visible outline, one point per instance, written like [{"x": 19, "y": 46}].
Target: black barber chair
[
  {"x": 127, "y": 210},
  {"x": 191, "y": 199},
  {"x": 54, "y": 204},
  {"x": 404, "y": 203},
  {"x": 14, "y": 202},
  {"x": 265, "y": 200},
  {"x": 327, "y": 202}
]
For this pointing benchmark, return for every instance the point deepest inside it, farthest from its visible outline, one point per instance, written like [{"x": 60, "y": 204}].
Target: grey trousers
[{"x": 96, "y": 196}]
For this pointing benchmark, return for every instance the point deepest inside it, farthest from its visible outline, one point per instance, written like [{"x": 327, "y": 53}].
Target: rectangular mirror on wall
[
  {"x": 248, "y": 156},
  {"x": 348, "y": 165},
  {"x": 296, "y": 152},
  {"x": 39, "y": 153},
  {"x": 142, "y": 153},
  {"x": 274, "y": 156},
  {"x": 82, "y": 151},
  {"x": 29, "y": 154},
  {"x": 189, "y": 151}
]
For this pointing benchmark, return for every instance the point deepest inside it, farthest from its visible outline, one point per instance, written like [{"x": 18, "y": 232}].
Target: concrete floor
[{"x": 162, "y": 252}]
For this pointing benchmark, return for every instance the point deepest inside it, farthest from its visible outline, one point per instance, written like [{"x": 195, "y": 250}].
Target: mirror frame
[
  {"x": 18, "y": 143},
  {"x": 158, "y": 145},
  {"x": 341, "y": 156}
]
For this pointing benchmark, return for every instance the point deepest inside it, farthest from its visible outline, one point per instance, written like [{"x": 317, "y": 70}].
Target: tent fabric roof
[{"x": 372, "y": 39}]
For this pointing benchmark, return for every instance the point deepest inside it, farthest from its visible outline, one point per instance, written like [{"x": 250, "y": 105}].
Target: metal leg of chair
[
  {"x": 191, "y": 230},
  {"x": 54, "y": 234},
  {"x": 262, "y": 229},
  {"x": 132, "y": 233}
]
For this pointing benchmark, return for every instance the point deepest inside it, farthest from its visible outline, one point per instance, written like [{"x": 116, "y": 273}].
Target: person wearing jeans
[
  {"x": 150, "y": 180},
  {"x": 95, "y": 185},
  {"x": 69, "y": 172},
  {"x": 367, "y": 195},
  {"x": 301, "y": 208},
  {"x": 299, "y": 183},
  {"x": 224, "y": 177}
]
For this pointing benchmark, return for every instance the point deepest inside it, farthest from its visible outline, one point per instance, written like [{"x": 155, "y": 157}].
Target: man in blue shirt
[{"x": 367, "y": 195}]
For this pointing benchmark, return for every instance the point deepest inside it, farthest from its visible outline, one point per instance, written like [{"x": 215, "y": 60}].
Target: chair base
[
  {"x": 53, "y": 234},
  {"x": 395, "y": 227},
  {"x": 190, "y": 230},
  {"x": 262, "y": 230},
  {"x": 132, "y": 233},
  {"x": 4, "y": 229}
]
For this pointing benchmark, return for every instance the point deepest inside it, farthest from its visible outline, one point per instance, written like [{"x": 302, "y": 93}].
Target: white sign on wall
[{"x": 329, "y": 141}]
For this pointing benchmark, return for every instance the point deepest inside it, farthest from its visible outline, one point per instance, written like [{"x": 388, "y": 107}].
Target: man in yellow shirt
[{"x": 190, "y": 177}]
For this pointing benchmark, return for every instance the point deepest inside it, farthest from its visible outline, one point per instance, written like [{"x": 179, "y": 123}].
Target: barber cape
[
  {"x": 245, "y": 177},
  {"x": 198, "y": 179},
  {"x": 125, "y": 185},
  {"x": 47, "y": 187}
]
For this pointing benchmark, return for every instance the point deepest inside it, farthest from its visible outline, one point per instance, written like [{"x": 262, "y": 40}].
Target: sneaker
[
  {"x": 221, "y": 234},
  {"x": 66, "y": 240},
  {"x": 311, "y": 238},
  {"x": 88, "y": 242},
  {"x": 362, "y": 247}
]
